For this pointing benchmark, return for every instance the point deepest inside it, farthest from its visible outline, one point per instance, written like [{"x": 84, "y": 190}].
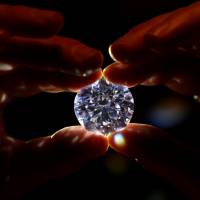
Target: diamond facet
[{"x": 104, "y": 107}]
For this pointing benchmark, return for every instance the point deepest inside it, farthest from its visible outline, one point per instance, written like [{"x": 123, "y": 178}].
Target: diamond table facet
[{"x": 104, "y": 107}]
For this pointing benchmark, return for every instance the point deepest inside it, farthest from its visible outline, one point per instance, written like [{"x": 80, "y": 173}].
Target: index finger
[
  {"x": 133, "y": 45},
  {"x": 31, "y": 22}
]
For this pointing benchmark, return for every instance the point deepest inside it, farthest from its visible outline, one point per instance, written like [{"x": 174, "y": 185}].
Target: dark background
[{"x": 98, "y": 24}]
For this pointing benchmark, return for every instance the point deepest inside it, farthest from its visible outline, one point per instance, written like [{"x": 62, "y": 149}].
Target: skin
[
  {"x": 162, "y": 51},
  {"x": 58, "y": 64},
  {"x": 155, "y": 51},
  {"x": 146, "y": 55}
]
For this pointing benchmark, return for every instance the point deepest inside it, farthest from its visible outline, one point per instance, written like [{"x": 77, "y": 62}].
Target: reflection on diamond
[{"x": 104, "y": 107}]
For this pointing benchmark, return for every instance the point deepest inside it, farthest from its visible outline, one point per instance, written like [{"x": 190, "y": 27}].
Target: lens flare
[
  {"x": 168, "y": 113},
  {"x": 119, "y": 140}
]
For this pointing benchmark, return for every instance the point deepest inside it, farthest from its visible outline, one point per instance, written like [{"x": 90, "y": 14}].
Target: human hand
[
  {"x": 166, "y": 51},
  {"x": 32, "y": 60}
]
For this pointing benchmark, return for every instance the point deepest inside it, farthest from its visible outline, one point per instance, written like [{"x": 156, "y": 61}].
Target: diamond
[{"x": 104, "y": 107}]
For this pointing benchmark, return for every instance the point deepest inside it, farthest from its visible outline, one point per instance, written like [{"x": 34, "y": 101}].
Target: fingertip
[
  {"x": 78, "y": 139},
  {"x": 119, "y": 142},
  {"x": 70, "y": 144},
  {"x": 59, "y": 22},
  {"x": 96, "y": 144},
  {"x": 160, "y": 154},
  {"x": 113, "y": 72},
  {"x": 49, "y": 24},
  {"x": 120, "y": 73},
  {"x": 133, "y": 140},
  {"x": 68, "y": 132},
  {"x": 60, "y": 154},
  {"x": 107, "y": 73}
]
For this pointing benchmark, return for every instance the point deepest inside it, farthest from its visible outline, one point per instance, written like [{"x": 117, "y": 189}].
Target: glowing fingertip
[{"x": 119, "y": 140}]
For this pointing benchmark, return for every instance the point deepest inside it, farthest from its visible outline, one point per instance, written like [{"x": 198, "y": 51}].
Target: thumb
[
  {"x": 160, "y": 154},
  {"x": 39, "y": 160}
]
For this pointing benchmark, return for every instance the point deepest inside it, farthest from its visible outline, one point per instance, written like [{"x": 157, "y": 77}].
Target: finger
[
  {"x": 6, "y": 149},
  {"x": 4, "y": 36},
  {"x": 158, "y": 78},
  {"x": 170, "y": 29},
  {"x": 31, "y": 22},
  {"x": 176, "y": 26},
  {"x": 132, "y": 45},
  {"x": 55, "y": 54},
  {"x": 148, "y": 60},
  {"x": 42, "y": 159},
  {"x": 28, "y": 82},
  {"x": 132, "y": 74},
  {"x": 161, "y": 155},
  {"x": 185, "y": 81},
  {"x": 125, "y": 74},
  {"x": 181, "y": 76}
]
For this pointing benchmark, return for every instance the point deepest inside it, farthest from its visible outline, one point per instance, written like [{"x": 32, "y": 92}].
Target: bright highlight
[
  {"x": 5, "y": 67},
  {"x": 119, "y": 140}
]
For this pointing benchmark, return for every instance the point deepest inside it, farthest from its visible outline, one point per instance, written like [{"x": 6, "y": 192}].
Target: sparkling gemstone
[{"x": 104, "y": 107}]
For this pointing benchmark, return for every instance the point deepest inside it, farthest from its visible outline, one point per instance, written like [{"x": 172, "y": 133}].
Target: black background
[{"x": 98, "y": 24}]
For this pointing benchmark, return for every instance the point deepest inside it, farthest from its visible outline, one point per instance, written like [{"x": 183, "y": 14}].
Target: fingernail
[{"x": 107, "y": 73}]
